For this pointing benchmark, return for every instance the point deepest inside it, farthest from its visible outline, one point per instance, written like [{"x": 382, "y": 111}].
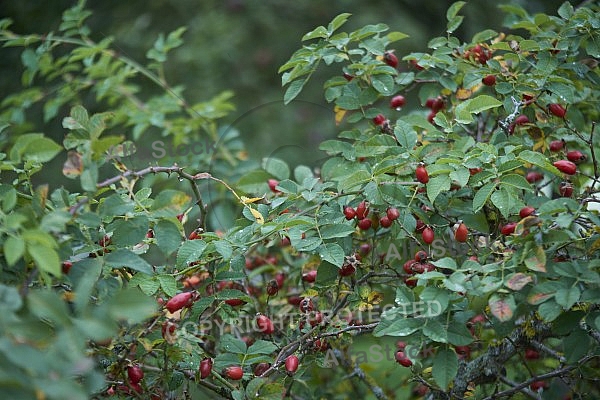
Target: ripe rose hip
[
  {"x": 461, "y": 233},
  {"x": 402, "y": 359},
  {"x": 194, "y": 235},
  {"x": 420, "y": 256},
  {"x": 534, "y": 176},
  {"x": 261, "y": 368},
  {"x": 347, "y": 76},
  {"x": 385, "y": 221},
  {"x": 576, "y": 156},
  {"x": 565, "y": 166},
  {"x": 272, "y": 287},
  {"x": 310, "y": 276},
  {"x": 264, "y": 324},
  {"x": 349, "y": 213},
  {"x": 556, "y": 145},
  {"x": 526, "y": 211},
  {"x": 537, "y": 385},
  {"x": 365, "y": 224},
  {"x": 428, "y": 235},
  {"x": 205, "y": 367},
  {"x": 234, "y": 373},
  {"x": 179, "y": 301},
  {"x": 392, "y": 213},
  {"x": 421, "y": 174},
  {"x": 397, "y": 101},
  {"x": 565, "y": 189},
  {"x": 379, "y": 119},
  {"x": 66, "y": 266},
  {"x": 416, "y": 65},
  {"x": 489, "y": 80},
  {"x": 410, "y": 282},
  {"x": 306, "y": 305},
  {"x": 521, "y": 120},
  {"x": 135, "y": 374},
  {"x": 235, "y": 302},
  {"x": 280, "y": 279},
  {"x": 291, "y": 364},
  {"x": 390, "y": 59},
  {"x": 362, "y": 210},
  {"x": 364, "y": 249},
  {"x": 273, "y": 184},
  {"x": 508, "y": 229},
  {"x": 557, "y": 110},
  {"x": 431, "y": 116},
  {"x": 347, "y": 270},
  {"x": 408, "y": 267},
  {"x": 532, "y": 354}
]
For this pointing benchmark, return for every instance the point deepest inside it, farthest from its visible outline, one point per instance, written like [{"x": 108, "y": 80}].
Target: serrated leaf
[
  {"x": 261, "y": 347},
  {"x": 336, "y": 231},
  {"x": 518, "y": 281},
  {"x": 437, "y": 185},
  {"x": 539, "y": 160},
  {"x": 167, "y": 234},
  {"x": 405, "y": 135},
  {"x": 123, "y": 258},
  {"x": 482, "y": 196},
  {"x": 318, "y": 32},
  {"x": 14, "y": 248},
  {"x": 45, "y": 258},
  {"x": 517, "y": 181},
  {"x": 567, "y": 297},
  {"x": 398, "y": 327},
  {"x": 445, "y": 367},
  {"x": 454, "y": 9},
  {"x": 474, "y": 106},
  {"x": 190, "y": 250},
  {"x": 332, "y": 253},
  {"x": 536, "y": 259},
  {"x": 435, "y": 331},
  {"x": 168, "y": 284},
  {"x": 294, "y": 90}
]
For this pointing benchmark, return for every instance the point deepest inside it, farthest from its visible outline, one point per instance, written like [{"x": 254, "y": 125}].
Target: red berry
[
  {"x": 508, "y": 229},
  {"x": 397, "y": 101},
  {"x": 402, "y": 359},
  {"x": 362, "y": 210},
  {"x": 533, "y": 177},
  {"x": 463, "y": 352},
  {"x": 565, "y": 166},
  {"x": 415, "y": 64},
  {"x": 349, "y": 213},
  {"x": 576, "y": 156},
  {"x": 390, "y": 59},
  {"x": 379, "y": 119},
  {"x": 385, "y": 221},
  {"x": 556, "y": 145},
  {"x": 168, "y": 331},
  {"x": 150, "y": 234},
  {"x": 521, "y": 120},
  {"x": 408, "y": 266},
  {"x": 291, "y": 364},
  {"x": 526, "y": 211},
  {"x": 273, "y": 184},
  {"x": 194, "y": 235},
  {"x": 265, "y": 325},
  {"x": 261, "y": 368},
  {"x": 205, "y": 367},
  {"x": 135, "y": 374},
  {"x": 364, "y": 249},
  {"x": 473, "y": 171},
  {"x": 392, "y": 213},
  {"x": 306, "y": 305},
  {"x": 235, "y": 302},
  {"x": 532, "y": 354},
  {"x": 430, "y": 102},
  {"x": 179, "y": 301},
  {"x": 66, "y": 266},
  {"x": 401, "y": 345},
  {"x": 365, "y": 224},
  {"x": 180, "y": 217},
  {"x": 310, "y": 276},
  {"x": 280, "y": 279},
  {"x": 272, "y": 287},
  {"x": 294, "y": 300},
  {"x": 489, "y": 80},
  {"x": 347, "y": 270},
  {"x": 347, "y": 76},
  {"x": 418, "y": 268},
  {"x": 461, "y": 233},
  {"x": 428, "y": 235},
  {"x": 438, "y": 104},
  {"x": 421, "y": 174},
  {"x": 235, "y": 373},
  {"x": 478, "y": 319},
  {"x": 557, "y": 110},
  {"x": 420, "y": 256},
  {"x": 420, "y": 226},
  {"x": 410, "y": 282},
  {"x": 537, "y": 385},
  {"x": 427, "y": 267},
  {"x": 431, "y": 116},
  {"x": 565, "y": 189}
]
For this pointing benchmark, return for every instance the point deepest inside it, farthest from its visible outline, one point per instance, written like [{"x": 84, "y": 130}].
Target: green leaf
[
  {"x": 454, "y": 9},
  {"x": 517, "y": 181},
  {"x": 276, "y": 167},
  {"x": 88, "y": 271},
  {"x": 128, "y": 232},
  {"x": 567, "y": 297},
  {"x": 46, "y": 258},
  {"x": 405, "y": 134},
  {"x": 398, "y": 327},
  {"x": 10, "y": 298},
  {"x": 14, "y": 248},
  {"x": 338, "y": 21},
  {"x": 384, "y": 84},
  {"x": 294, "y": 90},
  {"x": 114, "y": 205},
  {"x": 124, "y": 258},
  {"x": 146, "y": 283},
  {"x": 454, "y": 23},
  {"x": 48, "y": 305},
  {"x": 261, "y": 347},
  {"x": 540, "y": 160},
  {"x": 327, "y": 274},
  {"x": 504, "y": 201},
  {"x": 482, "y": 195},
  {"x": 458, "y": 334},
  {"x": 318, "y": 32},
  {"x": 168, "y": 284},
  {"x": 445, "y": 367},
  {"x": 189, "y": 251},
  {"x": 168, "y": 236},
  {"x": 435, "y": 331},
  {"x": 336, "y": 231},
  {"x": 224, "y": 249},
  {"x": 333, "y": 253},
  {"x": 131, "y": 305},
  {"x": 576, "y": 345},
  {"x": 437, "y": 185}
]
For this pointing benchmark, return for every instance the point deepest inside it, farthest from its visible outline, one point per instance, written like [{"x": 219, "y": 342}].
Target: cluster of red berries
[
  {"x": 418, "y": 265},
  {"x": 401, "y": 357},
  {"x": 478, "y": 53},
  {"x": 435, "y": 104},
  {"x": 362, "y": 211}
]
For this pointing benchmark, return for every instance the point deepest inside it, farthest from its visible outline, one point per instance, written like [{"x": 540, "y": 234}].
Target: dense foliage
[{"x": 466, "y": 227}]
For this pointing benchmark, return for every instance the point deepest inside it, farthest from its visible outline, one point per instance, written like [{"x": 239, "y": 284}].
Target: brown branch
[{"x": 169, "y": 170}]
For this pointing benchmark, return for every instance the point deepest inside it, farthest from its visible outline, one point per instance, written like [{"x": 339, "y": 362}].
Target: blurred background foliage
[{"x": 239, "y": 45}]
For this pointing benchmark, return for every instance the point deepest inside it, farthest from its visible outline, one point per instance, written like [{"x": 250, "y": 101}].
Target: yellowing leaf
[
  {"x": 463, "y": 94},
  {"x": 246, "y": 200},
  {"x": 536, "y": 260},
  {"x": 372, "y": 300},
  {"x": 502, "y": 308},
  {"x": 518, "y": 281},
  {"x": 340, "y": 113},
  {"x": 73, "y": 167},
  {"x": 258, "y": 216}
]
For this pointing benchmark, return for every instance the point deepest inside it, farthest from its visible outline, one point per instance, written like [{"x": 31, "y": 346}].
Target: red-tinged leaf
[
  {"x": 536, "y": 261},
  {"x": 502, "y": 307},
  {"x": 518, "y": 281}
]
